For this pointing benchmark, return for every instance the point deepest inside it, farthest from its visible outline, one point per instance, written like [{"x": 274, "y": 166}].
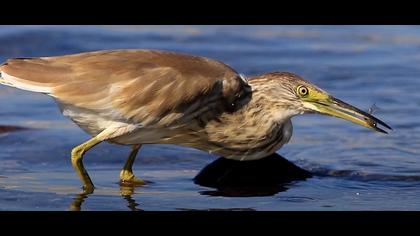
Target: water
[{"x": 354, "y": 168}]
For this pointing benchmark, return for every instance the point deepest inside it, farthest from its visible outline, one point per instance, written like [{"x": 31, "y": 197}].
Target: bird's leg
[
  {"x": 76, "y": 160},
  {"x": 126, "y": 174}
]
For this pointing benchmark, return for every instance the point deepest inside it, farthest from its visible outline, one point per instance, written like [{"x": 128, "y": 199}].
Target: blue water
[{"x": 355, "y": 168}]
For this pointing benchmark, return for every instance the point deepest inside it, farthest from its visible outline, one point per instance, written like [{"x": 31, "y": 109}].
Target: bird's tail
[{"x": 20, "y": 83}]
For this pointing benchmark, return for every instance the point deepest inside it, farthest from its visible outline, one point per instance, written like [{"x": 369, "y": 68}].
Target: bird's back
[{"x": 149, "y": 87}]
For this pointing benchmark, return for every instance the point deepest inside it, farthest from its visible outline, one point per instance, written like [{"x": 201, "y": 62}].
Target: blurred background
[{"x": 355, "y": 168}]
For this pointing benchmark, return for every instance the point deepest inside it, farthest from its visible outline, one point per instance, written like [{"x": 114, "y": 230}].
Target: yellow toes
[{"x": 128, "y": 178}]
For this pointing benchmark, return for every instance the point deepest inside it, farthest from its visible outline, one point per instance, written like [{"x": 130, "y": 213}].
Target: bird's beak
[{"x": 337, "y": 108}]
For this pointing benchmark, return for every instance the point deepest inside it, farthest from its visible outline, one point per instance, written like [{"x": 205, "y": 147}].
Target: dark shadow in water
[
  {"x": 8, "y": 128},
  {"x": 264, "y": 177}
]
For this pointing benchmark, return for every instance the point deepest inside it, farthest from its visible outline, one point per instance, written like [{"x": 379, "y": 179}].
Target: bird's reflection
[
  {"x": 126, "y": 192},
  {"x": 78, "y": 200},
  {"x": 264, "y": 177}
]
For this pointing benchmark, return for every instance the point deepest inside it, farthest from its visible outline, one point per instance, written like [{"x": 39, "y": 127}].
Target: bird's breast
[{"x": 249, "y": 141}]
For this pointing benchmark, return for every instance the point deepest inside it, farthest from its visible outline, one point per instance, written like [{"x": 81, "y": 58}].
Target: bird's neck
[
  {"x": 265, "y": 99},
  {"x": 258, "y": 128}
]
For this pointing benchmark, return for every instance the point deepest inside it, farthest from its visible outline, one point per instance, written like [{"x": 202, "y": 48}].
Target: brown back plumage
[{"x": 145, "y": 86}]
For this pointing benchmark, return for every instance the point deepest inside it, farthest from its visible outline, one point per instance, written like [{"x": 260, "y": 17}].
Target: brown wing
[{"x": 143, "y": 86}]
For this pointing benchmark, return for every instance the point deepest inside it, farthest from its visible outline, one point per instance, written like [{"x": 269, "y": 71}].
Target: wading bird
[{"x": 135, "y": 97}]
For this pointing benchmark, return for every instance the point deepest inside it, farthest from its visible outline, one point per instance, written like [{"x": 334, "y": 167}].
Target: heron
[{"x": 141, "y": 96}]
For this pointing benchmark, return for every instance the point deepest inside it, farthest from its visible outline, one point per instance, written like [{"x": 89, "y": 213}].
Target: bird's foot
[
  {"x": 128, "y": 178},
  {"x": 88, "y": 189}
]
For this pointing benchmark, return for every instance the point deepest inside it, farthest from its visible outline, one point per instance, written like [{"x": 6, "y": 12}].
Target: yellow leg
[
  {"x": 126, "y": 174},
  {"x": 76, "y": 160}
]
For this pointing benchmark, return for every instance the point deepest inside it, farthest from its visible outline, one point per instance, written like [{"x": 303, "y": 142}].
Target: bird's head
[{"x": 298, "y": 96}]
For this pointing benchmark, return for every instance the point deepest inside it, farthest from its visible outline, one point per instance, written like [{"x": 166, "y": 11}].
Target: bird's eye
[{"x": 302, "y": 90}]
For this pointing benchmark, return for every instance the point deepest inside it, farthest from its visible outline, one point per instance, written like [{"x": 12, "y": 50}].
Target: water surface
[{"x": 355, "y": 168}]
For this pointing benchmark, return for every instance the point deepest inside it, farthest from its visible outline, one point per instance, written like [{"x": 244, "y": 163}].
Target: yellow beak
[{"x": 337, "y": 108}]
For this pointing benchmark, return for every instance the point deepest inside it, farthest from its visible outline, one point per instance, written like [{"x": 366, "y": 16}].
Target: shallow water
[{"x": 355, "y": 168}]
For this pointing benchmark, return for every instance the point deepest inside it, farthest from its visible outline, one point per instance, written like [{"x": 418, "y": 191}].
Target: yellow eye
[{"x": 302, "y": 90}]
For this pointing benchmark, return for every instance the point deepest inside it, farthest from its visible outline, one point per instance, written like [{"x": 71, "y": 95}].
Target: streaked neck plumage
[{"x": 256, "y": 130}]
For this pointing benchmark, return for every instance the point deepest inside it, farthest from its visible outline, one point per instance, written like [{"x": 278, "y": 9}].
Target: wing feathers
[{"x": 145, "y": 86}]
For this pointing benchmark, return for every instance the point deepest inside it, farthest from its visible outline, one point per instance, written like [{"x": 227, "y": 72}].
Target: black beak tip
[
  {"x": 383, "y": 131},
  {"x": 387, "y": 126},
  {"x": 375, "y": 127}
]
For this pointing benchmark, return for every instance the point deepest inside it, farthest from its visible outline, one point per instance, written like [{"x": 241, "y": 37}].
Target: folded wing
[{"x": 148, "y": 87}]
